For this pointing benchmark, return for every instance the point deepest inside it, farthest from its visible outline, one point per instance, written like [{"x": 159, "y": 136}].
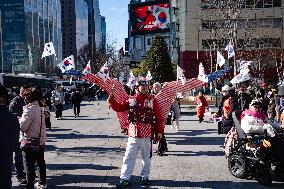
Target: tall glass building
[
  {"x": 81, "y": 11},
  {"x": 75, "y": 20},
  {"x": 98, "y": 25},
  {"x": 104, "y": 32},
  {"x": 26, "y": 26}
]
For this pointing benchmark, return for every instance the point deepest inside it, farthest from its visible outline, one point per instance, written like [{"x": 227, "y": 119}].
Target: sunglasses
[
  {"x": 257, "y": 106},
  {"x": 143, "y": 82}
]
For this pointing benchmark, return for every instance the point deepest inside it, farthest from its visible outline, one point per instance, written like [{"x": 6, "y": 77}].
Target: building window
[
  {"x": 259, "y": 3},
  {"x": 267, "y": 3},
  {"x": 250, "y": 3},
  {"x": 243, "y": 23},
  {"x": 177, "y": 26},
  {"x": 177, "y": 42},
  {"x": 215, "y": 4},
  {"x": 244, "y": 43},
  {"x": 277, "y": 22},
  {"x": 148, "y": 41},
  {"x": 276, "y": 3}
]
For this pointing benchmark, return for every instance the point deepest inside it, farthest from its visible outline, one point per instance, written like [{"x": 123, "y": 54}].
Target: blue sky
[{"x": 116, "y": 13}]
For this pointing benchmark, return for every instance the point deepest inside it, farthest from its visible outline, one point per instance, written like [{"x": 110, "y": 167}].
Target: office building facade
[
  {"x": 204, "y": 26},
  {"x": 98, "y": 25},
  {"x": 74, "y": 27},
  {"x": 26, "y": 27},
  {"x": 104, "y": 33}
]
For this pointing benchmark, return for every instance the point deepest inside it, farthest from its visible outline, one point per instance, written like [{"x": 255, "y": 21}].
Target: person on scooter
[{"x": 254, "y": 121}]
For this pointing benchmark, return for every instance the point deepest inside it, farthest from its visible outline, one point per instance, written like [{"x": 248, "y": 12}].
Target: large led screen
[{"x": 150, "y": 18}]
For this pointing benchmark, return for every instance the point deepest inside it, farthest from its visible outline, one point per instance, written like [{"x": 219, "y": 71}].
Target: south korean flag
[
  {"x": 48, "y": 50},
  {"x": 104, "y": 72}
]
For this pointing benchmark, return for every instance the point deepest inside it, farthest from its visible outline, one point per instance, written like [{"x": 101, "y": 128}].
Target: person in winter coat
[
  {"x": 144, "y": 118},
  {"x": 76, "y": 99},
  {"x": 201, "y": 105},
  {"x": 244, "y": 99},
  {"x": 176, "y": 114},
  {"x": 263, "y": 92},
  {"x": 32, "y": 124},
  {"x": 16, "y": 107},
  {"x": 162, "y": 146},
  {"x": 280, "y": 106},
  {"x": 47, "y": 107},
  {"x": 9, "y": 138},
  {"x": 254, "y": 121},
  {"x": 57, "y": 100},
  {"x": 226, "y": 108},
  {"x": 271, "y": 112}
]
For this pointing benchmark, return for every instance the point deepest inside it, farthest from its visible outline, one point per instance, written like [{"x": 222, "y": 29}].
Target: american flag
[
  {"x": 164, "y": 98},
  {"x": 169, "y": 91},
  {"x": 120, "y": 95}
]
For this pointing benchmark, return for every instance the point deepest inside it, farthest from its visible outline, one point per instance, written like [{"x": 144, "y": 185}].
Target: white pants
[{"x": 129, "y": 159}]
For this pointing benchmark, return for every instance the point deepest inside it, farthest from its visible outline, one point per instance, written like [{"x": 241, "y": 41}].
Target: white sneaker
[
  {"x": 40, "y": 186},
  {"x": 177, "y": 129}
]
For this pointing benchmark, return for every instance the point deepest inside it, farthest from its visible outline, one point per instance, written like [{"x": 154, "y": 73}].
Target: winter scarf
[{"x": 258, "y": 115}]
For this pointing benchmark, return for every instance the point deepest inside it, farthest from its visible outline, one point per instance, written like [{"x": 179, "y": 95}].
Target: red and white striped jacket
[{"x": 139, "y": 129}]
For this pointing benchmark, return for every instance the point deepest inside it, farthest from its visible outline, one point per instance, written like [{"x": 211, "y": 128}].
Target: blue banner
[
  {"x": 73, "y": 72},
  {"x": 216, "y": 75}
]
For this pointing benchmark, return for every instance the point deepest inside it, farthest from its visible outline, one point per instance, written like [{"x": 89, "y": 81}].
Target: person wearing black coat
[
  {"x": 16, "y": 107},
  {"x": 9, "y": 138},
  {"x": 77, "y": 98},
  {"x": 244, "y": 100}
]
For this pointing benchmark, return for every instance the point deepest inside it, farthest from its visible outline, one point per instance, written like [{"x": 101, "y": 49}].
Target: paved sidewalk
[{"x": 87, "y": 153}]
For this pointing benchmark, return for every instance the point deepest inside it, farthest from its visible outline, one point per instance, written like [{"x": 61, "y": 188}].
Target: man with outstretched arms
[{"x": 144, "y": 119}]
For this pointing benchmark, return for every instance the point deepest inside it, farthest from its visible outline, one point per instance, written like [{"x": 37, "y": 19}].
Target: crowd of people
[
  {"x": 269, "y": 98},
  {"x": 25, "y": 115}
]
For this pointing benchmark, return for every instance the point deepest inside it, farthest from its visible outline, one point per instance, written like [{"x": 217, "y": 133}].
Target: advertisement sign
[{"x": 150, "y": 17}]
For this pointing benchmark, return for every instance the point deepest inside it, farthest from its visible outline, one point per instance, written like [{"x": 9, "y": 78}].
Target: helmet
[{"x": 142, "y": 81}]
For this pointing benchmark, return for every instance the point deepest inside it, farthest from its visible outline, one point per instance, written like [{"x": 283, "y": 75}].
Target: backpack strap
[{"x": 40, "y": 123}]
